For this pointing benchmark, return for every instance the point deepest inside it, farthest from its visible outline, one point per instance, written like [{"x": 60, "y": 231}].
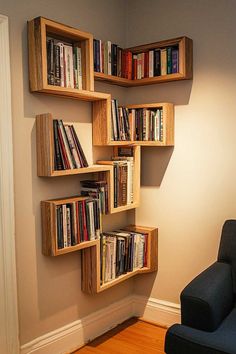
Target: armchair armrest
[{"x": 208, "y": 299}]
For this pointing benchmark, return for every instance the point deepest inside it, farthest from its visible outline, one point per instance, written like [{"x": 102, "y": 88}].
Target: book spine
[
  {"x": 57, "y": 74},
  {"x": 58, "y": 164},
  {"x": 163, "y": 61},
  {"x": 66, "y": 144},
  {"x": 50, "y": 61},
  {"x": 69, "y": 69},
  {"x": 157, "y": 62},
  {"x": 169, "y": 60},
  {"x": 72, "y": 147},
  {"x": 151, "y": 63},
  {"x": 175, "y": 60},
  {"x": 62, "y": 64}
]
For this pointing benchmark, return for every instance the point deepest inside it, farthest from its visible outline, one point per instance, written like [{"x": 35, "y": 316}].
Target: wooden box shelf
[
  {"x": 38, "y": 30},
  {"x": 45, "y": 151},
  {"x": 91, "y": 263},
  {"x": 49, "y": 228},
  {"x": 136, "y": 181},
  {"x": 185, "y": 64},
  {"x": 102, "y": 128}
]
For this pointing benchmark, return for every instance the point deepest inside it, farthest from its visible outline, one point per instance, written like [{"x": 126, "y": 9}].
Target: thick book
[{"x": 157, "y": 62}]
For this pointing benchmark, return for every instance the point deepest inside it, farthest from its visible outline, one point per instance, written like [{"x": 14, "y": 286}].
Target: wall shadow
[{"x": 154, "y": 162}]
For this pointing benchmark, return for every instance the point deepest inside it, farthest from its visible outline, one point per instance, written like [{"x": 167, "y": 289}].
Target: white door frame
[{"x": 9, "y": 342}]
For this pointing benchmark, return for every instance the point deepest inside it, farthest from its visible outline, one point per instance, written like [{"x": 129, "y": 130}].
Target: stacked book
[
  {"x": 120, "y": 122},
  {"x": 68, "y": 153},
  {"x": 123, "y": 180},
  {"x": 146, "y": 124},
  {"x": 111, "y": 59},
  {"x": 64, "y": 64},
  {"x": 97, "y": 190},
  {"x": 77, "y": 222},
  {"x": 122, "y": 252}
]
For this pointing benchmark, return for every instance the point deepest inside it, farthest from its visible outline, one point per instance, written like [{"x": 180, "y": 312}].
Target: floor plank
[{"x": 131, "y": 337}]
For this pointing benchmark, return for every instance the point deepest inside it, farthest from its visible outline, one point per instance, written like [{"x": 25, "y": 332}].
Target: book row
[
  {"x": 78, "y": 222},
  {"x": 111, "y": 59},
  {"x": 140, "y": 124},
  {"x": 68, "y": 153},
  {"x": 64, "y": 64},
  {"x": 122, "y": 252}
]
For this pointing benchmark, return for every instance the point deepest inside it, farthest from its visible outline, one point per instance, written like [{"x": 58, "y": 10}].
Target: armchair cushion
[{"x": 208, "y": 299}]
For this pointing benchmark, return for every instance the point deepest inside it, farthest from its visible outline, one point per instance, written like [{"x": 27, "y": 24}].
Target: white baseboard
[
  {"x": 159, "y": 311},
  {"x": 76, "y": 334}
]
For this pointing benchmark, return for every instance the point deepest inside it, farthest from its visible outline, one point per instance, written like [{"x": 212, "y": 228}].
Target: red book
[
  {"x": 129, "y": 65},
  {"x": 135, "y": 67},
  {"x": 123, "y": 63}
]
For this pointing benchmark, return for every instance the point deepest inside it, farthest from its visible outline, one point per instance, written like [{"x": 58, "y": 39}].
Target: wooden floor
[{"x": 131, "y": 337}]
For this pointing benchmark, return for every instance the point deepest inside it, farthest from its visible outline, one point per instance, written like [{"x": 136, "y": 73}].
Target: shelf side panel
[
  {"x": 45, "y": 144},
  {"x": 48, "y": 229},
  {"x": 101, "y": 122},
  {"x": 35, "y": 50},
  {"x": 90, "y": 263}
]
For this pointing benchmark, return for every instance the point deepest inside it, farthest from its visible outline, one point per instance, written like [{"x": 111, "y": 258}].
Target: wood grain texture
[{"x": 131, "y": 337}]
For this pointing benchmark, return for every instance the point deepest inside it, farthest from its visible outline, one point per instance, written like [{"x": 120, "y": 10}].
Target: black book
[
  {"x": 81, "y": 224},
  {"x": 57, "y": 69},
  {"x": 50, "y": 61},
  {"x": 58, "y": 160},
  {"x": 157, "y": 62},
  {"x": 114, "y": 59},
  {"x": 60, "y": 241}
]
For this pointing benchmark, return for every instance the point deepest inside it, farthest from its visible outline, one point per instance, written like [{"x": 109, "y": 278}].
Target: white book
[
  {"x": 62, "y": 63},
  {"x": 109, "y": 57},
  {"x": 91, "y": 218},
  {"x": 79, "y": 68},
  {"x": 151, "y": 63},
  {"x": 69, "y": 68}
]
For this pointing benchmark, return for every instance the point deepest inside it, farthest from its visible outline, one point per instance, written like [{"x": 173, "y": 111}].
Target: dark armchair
[{"x": 208, "y": 312}]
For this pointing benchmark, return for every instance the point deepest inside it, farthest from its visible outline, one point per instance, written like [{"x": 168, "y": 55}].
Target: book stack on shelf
[
  {"x": 122, "y": 252},
  {"x": 98, "y": 190},
  {"x": 64, "y": 64},
  {"x": 77, "y": 222},
  {"x": 68, "y": 153},
  {"x": 140, "y": 124},
  {"x": 120, "y": 122},
  {"x": 111, "y": 59},
  {"x": 124, "y": 179},
  {"x": 146, "y": 124}
]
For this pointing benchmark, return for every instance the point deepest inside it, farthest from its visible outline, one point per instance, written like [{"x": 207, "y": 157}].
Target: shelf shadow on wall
[{"x": 154, "y": 162}]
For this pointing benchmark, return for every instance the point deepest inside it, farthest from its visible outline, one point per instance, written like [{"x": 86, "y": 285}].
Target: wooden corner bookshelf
[
  {"x": 39, "y": 29},
  {"x": 135, "y": 181},
  {"x": 102, "y": 128},
  {"x": 185, "y": 71},
  {"x": 91, "y": 272}
]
